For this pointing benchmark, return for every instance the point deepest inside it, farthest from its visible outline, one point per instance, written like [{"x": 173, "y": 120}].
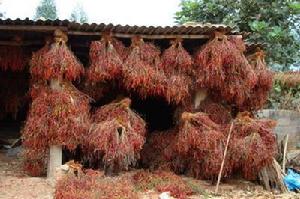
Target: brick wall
[{"x": 288, "y": 122}]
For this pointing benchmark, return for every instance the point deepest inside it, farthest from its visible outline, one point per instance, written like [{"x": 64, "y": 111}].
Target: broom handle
[{"x": 224, "y": 156}]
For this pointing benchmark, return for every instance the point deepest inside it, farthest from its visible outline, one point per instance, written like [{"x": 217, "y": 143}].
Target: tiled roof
[{"x": 77, "y": 28}]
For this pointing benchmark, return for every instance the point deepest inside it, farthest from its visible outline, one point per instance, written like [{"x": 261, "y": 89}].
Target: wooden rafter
[
  {"x": 51, "y": 29},
  {"x": 124, "y": 35},
  {"x": 27, "y": 28}
]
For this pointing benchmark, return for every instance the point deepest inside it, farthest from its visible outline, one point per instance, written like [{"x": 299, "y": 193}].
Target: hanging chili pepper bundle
[
  {"x": 13, "y": 88},
  {"x": 148, "y": 51},
  {"x": 12, "y": 58},
  {"x": 58, "y": 62},
  {"x": 253, "y": 145},
  {"x": 55, "y": 117},
  {"x": 157, "y": 87},
  {"x": 257, "y": 60},
  {"x": 221, "y": 66},
  {"x": 239, "y": 81},
  {"x": 58, "y": 117},
  {"x": 257, "y": 99},
  {"x": 122, "y": 112},
  {"x": 120, "y": 48},
  {"x": 216, "y": 111},
  {"x": 158, "y": 151},
  {"x": 141, "y": 72},
  {"x": 106, "y": 63},
  {"x": 178, "y": 88},
  {"x": 176, "y": 58},
  {"x": 265, "y": 76},
  {"x": 259, "y": 93},
  {"x": 177, "y": 64},
  {"x": 69, "y": 88},
  {"x": 254, "y": 156},
  {"x": 116, "y": 136},
  {"x": 35, "y": 153},
  {"x": 196, "y": 126},
  {"x": 207, "y": 167},
  {"x": 59, "y": 113},
  {"x": 37, "y": 58},
  {"x": 201, "y": 142},
  {"x": 209, "y": 62},
  {"x": 238, "y": 42},
  {"x": 118, "y": 142}
]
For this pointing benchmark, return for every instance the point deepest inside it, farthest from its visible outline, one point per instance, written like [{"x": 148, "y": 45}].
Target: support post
[
  {"x": 55, "y": 160},
  {"x": 55, "y": 152},
  {"x": 224, "y": 157},
  {"x": 286, "y": 138}
]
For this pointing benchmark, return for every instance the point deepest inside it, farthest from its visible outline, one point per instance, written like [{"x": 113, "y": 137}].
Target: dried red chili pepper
[
  {"x": 56, "y": 62},
  {"x": 141, "y": 72},
  {"x": 252, "y": 146},
  {"x": 259, "y": 94},
  {"x": 12, "y": 58},
  {"x": 55, "y": 118},
  {"x": 176, "y": 58},
  {"x": 116, "y": 136},
  {"x": 222, "y": 67},
  {"x": 106, "y": 63}
]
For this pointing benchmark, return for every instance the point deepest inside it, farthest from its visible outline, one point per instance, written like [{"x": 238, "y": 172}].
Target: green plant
[
  {"x": 273, "y": 23},
  {"x": 284, "y": 97},
  {"x": 46, "y": 9},
  {"x": 78, "y": 14}
]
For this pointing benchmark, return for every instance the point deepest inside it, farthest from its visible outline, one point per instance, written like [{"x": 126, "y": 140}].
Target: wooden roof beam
[
  {"x": 23, "y": 43},
  {"x": 27, "y": 28},
  {"x": 125, "y": 35},
  {"x": 51, "y": 29}
]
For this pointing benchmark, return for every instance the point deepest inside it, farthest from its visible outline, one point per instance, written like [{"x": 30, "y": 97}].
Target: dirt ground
[{"x": 14, "y": 184}]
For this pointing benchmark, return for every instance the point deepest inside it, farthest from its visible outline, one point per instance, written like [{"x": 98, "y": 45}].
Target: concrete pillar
[{"x": 55, "y": 160}]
